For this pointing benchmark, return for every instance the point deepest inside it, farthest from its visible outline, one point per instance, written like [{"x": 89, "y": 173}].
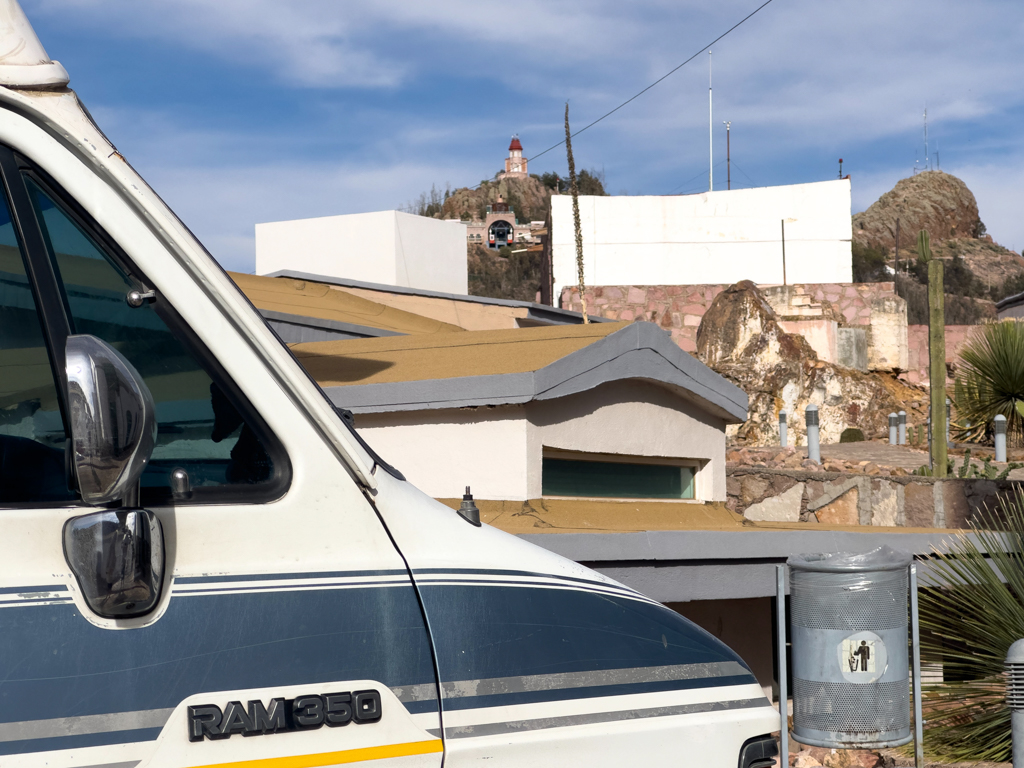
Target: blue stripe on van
[
  {"x": 78, "y": 742},
  {"x": 54, "y": 663},
  {"x": 285, "y": 576},
  {"x": 32, "y": 590},
  {"x": 570, "y": 694},
  {"x": 483, "y": 632}
]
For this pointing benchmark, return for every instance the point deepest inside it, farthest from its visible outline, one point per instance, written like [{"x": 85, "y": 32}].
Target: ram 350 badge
[{"x": 302, "y": 713}]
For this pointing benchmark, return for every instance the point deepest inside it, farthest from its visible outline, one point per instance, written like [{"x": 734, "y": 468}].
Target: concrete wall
[
  {"x": 713, "y": 237},
  {"x": 499, "y": 451},
  {"x": 388, "y": 247},
  {"x": 917, "y": 343}
]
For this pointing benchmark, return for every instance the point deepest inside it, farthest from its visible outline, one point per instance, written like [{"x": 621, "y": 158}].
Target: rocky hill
[
  {"x": 934, "y": 201},
  {"x": 942, "y": 205},
  {"x": 527, "y": 195}
]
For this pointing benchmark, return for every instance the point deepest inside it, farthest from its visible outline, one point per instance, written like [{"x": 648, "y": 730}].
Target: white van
[{"x": 201, "y": 564}]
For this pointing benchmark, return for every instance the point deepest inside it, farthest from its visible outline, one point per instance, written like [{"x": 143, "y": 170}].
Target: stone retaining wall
[{"x": 835, "y": 498}]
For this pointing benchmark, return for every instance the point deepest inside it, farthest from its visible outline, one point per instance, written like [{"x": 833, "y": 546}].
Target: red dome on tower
[{"x": 515, "y": 144}]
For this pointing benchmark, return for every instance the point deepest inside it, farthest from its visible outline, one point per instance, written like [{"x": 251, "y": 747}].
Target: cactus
[
  {"x": 936, "y": 355},
  {"x": 924, "y": 249}
]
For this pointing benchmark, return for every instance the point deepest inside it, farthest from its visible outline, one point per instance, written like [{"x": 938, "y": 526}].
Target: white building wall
[
  {"x": 388, "y": 247},
  {"x": 443, "y": 451},
  {"x": 631, "y": 418},
  {"x": 499, "y": 451},
  {"x": 713, "y": 237}
]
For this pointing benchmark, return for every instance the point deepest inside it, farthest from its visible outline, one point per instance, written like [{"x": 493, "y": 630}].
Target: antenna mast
[
  {"x": 711, "y": 134},
  {"x": 927, "y": 157}
]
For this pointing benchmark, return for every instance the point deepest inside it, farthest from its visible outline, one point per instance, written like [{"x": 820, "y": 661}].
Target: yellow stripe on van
[{"x": 334, "y": 758}]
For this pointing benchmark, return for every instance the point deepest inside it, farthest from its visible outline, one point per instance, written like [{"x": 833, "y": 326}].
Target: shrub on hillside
[{"x": 502, "y": 274}]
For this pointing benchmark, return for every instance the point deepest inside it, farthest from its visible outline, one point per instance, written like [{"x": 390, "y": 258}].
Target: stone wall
[
  {"x": 679, "y": 308},
  {"x": 848, "y": 499},
  {"x": 917, "y": 345}
]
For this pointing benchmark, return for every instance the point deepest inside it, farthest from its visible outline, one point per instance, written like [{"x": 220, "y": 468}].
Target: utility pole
[
  {"x": 728, "y": 161},
  {"x": 711, "y": 133},
  {"x": 897, "y": 248},
  {"x": 783, "y": 251},
  {"x": 927, "y": 157}
]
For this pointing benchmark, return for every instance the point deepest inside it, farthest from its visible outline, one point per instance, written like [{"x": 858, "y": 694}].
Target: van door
[{"x": 286, "y": 613}]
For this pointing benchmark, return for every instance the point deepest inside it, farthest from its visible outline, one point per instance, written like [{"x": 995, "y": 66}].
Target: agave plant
[
  {"x": 970, "y": 617},
  {"x": 990, "y": 381}
]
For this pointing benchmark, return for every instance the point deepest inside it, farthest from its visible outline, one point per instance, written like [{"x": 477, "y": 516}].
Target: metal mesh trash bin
[{"x": 848, "y": 617}]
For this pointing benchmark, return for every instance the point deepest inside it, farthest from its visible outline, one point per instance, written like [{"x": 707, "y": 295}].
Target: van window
[
  {"x": 31, "y": 429},
  {"x": 199, "y": 427}
]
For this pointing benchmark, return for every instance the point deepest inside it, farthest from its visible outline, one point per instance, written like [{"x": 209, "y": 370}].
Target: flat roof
[
  {"x": 539, "y": 312},
  {"x": 351, "y": 362},
  {"x": 298, "y": 299},
  {"x": 504, "y": 367},
  {"x": 678, "y": 551}
]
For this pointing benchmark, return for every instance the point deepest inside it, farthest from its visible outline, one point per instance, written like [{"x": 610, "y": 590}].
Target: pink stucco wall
[
  {"x": 679, "y": 308},
  {"x": 917, "y": 342}
]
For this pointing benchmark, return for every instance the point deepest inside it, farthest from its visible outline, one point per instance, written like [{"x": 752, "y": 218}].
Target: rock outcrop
[
  {"x": 934, "y": 201},
  {"x": 740, "y": 338}
]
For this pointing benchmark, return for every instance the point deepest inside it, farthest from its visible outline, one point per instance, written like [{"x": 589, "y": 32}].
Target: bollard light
[
  {"x": 902, "y": 427},
  {"x": 813, "y": 446},
  {"x": 893, "y": 428},
  {"x": 999, "y": 427},
  {"x": 782, "y": 428},
  {"x": 1015, "y": 699}
]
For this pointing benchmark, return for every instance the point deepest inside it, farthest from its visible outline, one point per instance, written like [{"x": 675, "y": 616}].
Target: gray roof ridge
[
  {"x": 345, "y": 283},
  {"x": 621, "y": 355},
  {"x": 638, "y": 351}
]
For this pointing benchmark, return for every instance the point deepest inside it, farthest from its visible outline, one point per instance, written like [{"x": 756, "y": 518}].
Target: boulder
[{"x": 740, "y": 338}]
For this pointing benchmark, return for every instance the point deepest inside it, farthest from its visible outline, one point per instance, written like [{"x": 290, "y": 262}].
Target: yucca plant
[
  {"x": 990, "y": 381},
  {"x": 969, "y": 618}
]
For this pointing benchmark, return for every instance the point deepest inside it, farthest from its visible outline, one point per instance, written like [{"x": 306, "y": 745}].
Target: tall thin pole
[
  {"x": 728, "y": 160},
  {"x": 780, "y": 630},
  {"x": 916, "y": 639},
  {"x": 897, "y": 247},
  {"x": 711, "y": 134},
  {"x": 927, "y": 157},
  {"x": 783, "y": 251}
]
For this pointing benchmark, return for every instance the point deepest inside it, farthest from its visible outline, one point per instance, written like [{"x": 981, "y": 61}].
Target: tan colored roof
[
  {"x": 445, "y": 355},
  {"x": 302, "y": 297},
  {"x": 636, "y": 516}
]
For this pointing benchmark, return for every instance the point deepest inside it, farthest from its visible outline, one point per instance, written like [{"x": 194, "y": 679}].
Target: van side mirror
[
  {"x": 113, "y": 420},
  {"x": 117, "y": 555}
]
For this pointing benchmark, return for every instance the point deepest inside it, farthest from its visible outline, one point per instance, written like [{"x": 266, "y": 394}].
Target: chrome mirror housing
[
  {"x": 113, "y": 420},
  {"x": 117, "y": 557}
]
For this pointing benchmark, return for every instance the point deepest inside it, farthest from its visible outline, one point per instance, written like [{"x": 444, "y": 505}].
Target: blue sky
[{"x": 242, "y": 111}]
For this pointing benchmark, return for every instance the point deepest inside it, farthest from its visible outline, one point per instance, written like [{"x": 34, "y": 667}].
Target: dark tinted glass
[
  {"x": 606, "y": 479},
  {"x": 31, "y": 429},
  {"x": 199, "y": 429}
]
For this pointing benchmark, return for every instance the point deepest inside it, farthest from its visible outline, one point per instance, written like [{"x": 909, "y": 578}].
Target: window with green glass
[{"x": 619, "y": 480}]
